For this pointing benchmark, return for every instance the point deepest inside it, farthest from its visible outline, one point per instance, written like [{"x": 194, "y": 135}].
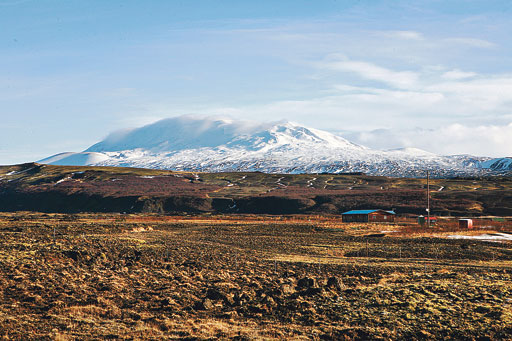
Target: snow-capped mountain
[
  {"x": 189, "y": 132},
  {"x": 214, "y": 145}
]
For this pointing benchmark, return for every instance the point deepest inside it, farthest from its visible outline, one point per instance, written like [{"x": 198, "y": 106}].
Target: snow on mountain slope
[
  {"x": 499, "y": 164},
  {"x": 190, "y": 132},
  {"x": 75, "y": 159},
  {"x": 411, "y": 152},
  {"x": 210, "y": 144}
]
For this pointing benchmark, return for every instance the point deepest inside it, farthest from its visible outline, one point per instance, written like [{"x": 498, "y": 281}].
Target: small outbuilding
[
  {"x": 368, "y": 216},
  {"x": 422, "y": 220},
  {"x": 465, "y": 223}
]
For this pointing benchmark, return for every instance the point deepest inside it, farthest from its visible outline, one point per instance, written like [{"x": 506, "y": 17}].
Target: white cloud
[
  {"x": 432, "y": 94},
  {"x": 457, "y": 75},
  {"x": 370, "y": 71},
  {"x": 487, "y": 94},
  {"x": 392, "y": 96},
  {"x": 407, "y": 35},
  {"x": 434, "y": 101},
  {"x": 471, "y": 42},
  {"x": 483, "y": 140}
]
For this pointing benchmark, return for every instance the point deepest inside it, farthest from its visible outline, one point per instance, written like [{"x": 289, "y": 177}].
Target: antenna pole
[{"x": 428, "y": 198}]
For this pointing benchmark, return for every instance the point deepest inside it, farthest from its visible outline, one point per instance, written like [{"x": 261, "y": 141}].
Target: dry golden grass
[{"x": 247, "y": 277}]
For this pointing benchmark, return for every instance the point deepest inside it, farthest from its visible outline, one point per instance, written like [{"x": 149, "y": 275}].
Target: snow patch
[
  {"x": 493, "y": 237},
  {"x": 411, "y": 152},
  {"x": 75, "y": 159},
  {"x": 62, "y": 180},
  {"x": 20, "y": 172}
]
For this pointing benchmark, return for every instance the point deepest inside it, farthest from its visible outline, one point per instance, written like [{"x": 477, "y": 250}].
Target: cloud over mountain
[{"x": 216, "y": 144}]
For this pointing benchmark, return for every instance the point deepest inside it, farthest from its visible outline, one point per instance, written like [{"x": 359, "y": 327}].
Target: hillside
[{"x": 51, "y": 188}]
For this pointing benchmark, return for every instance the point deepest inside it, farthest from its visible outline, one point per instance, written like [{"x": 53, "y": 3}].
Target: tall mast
[{"x": 428, "y": 198}]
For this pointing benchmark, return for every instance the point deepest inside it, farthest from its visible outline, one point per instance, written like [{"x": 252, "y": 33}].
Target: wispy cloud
[
  {"x": 487, "y": 94},
  {"x": 430, "y": 97},
  {"x": 457, "y": 75},
  {"x": 406, "y": 35},
  {"x": 471, "y": 42},
  {"x": 370, "y": 71}
]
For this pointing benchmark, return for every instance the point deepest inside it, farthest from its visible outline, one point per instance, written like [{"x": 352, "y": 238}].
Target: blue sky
[{"x": 430, "y": 74}]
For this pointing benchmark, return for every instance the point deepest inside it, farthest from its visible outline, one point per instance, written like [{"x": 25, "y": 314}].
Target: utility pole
[{"x": 428, "y": 198}]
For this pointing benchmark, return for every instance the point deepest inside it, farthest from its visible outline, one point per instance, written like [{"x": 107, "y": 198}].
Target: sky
[{"x": 435, "y": 75}]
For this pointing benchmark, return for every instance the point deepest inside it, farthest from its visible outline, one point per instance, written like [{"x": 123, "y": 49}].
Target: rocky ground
[{"x": 106, "y": 276}]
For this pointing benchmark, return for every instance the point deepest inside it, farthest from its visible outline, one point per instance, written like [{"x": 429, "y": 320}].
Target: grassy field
[{"x": 112, "y": 276}]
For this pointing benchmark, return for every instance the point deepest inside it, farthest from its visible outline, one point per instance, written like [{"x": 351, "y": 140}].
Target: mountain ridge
[{"x": 211, "y": 144}]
